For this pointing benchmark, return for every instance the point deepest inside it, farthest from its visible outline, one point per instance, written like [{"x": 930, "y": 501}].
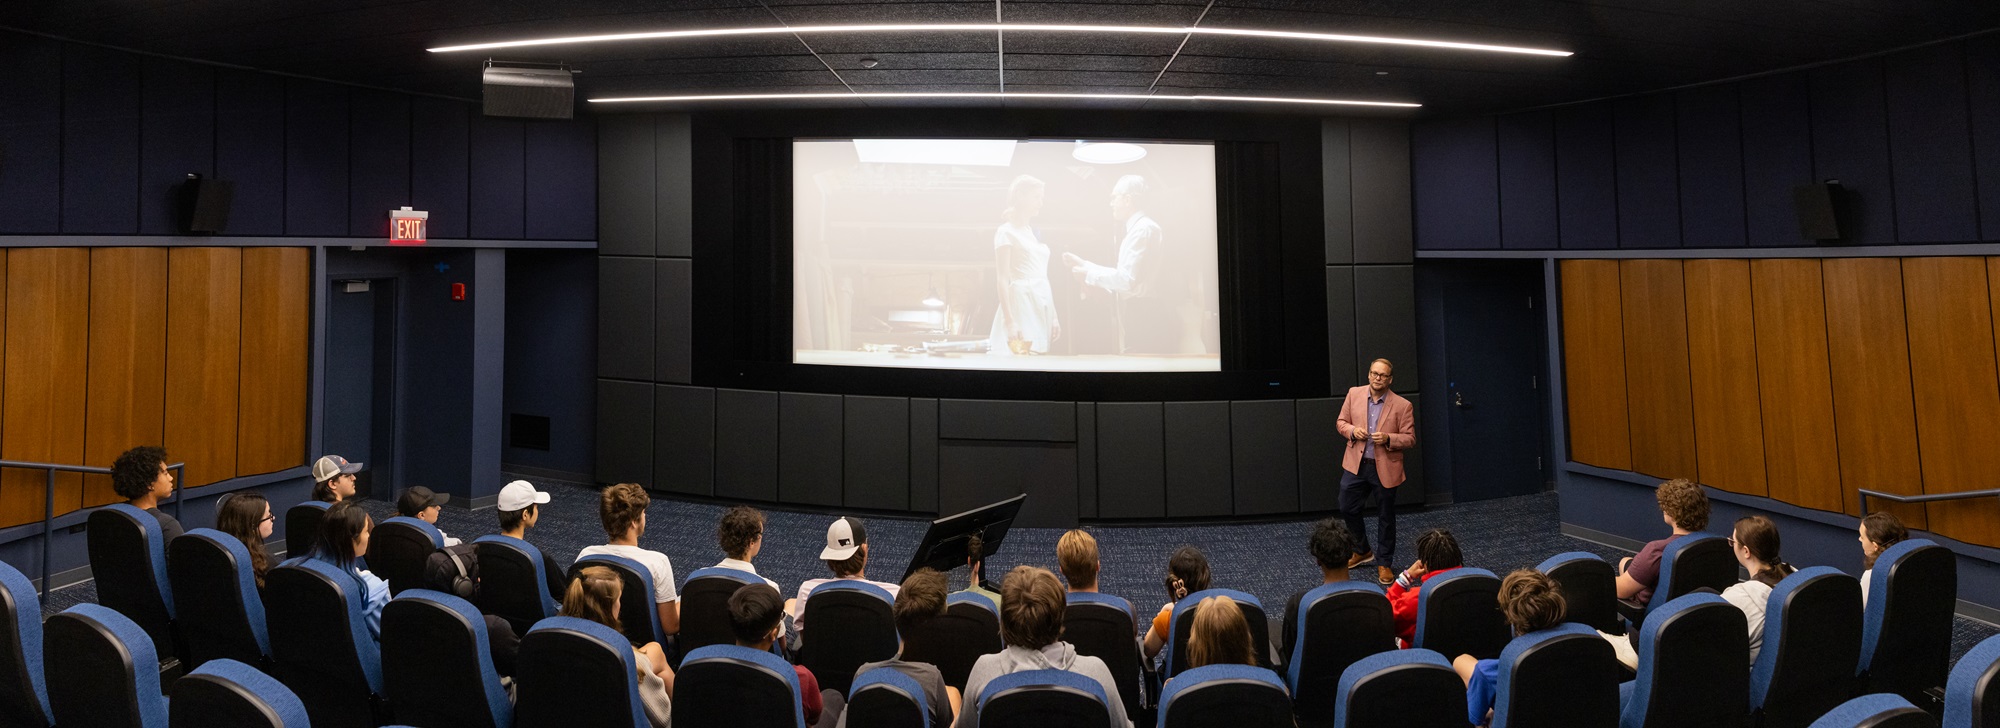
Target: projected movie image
[{"x": 1005, "y": 255}]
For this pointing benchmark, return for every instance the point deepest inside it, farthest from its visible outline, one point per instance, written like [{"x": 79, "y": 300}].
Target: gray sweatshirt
[{"x": 1059, "y": 656}]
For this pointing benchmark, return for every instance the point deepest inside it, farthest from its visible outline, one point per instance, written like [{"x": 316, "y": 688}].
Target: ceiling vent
[{"x": 529, "y": 90}]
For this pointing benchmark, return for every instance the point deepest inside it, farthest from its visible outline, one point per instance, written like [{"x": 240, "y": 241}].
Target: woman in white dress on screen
[{"x": 1025, "y": 321}]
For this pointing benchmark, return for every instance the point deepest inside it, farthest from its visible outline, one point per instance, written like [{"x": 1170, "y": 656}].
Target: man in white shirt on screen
[{"x": 1150, "y": 284}]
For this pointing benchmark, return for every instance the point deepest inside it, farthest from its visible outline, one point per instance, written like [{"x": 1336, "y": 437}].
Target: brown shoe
[
  {"x": 1384, "y": 575},
  {"x": 1359, "y": 559}
]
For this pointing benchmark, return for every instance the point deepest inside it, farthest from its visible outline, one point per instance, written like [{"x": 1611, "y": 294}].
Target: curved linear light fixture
[
  {"x": 992, "y": 27},
  {"x": 1008, "y": 95}
]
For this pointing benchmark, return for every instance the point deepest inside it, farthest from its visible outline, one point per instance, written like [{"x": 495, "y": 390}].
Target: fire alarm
[{"x": 458, "y": 291}]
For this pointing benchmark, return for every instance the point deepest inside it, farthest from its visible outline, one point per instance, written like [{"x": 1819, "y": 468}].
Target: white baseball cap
[
  {"x": 520, "y": 494},
  {"x": 843, "y": 538}
]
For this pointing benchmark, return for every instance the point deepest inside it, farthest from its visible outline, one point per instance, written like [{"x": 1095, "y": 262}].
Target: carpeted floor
[{"x": 1268, "y": 560}]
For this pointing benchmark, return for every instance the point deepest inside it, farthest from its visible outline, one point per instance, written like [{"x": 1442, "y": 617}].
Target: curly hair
[
  {"x": 1439, "y": 550},
  {"x": 1685, "y": 502},
  {"x": 740, "y": 527},
  {"x": 133, "y": 473},
  {"x": 621, "y": 506},
  {"x": 1031, "y": 608},
  {"x": 1331, "y": 544},
  {"x": 1531, "y": 600},
  {"x": 1219, "y": 635}
]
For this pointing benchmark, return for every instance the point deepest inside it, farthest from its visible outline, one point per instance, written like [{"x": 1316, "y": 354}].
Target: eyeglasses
[
  {"x": 1373, "y": 375},
  {"x": 268, "y": 519}
]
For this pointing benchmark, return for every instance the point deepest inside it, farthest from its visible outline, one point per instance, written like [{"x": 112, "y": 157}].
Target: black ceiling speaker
[
  {"x": 529, "y": 90},
  {"x": 204, "y": 204},
  {"x": 1818, "y": 206}
]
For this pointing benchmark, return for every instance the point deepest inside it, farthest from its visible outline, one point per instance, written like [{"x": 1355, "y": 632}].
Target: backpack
[{"x": 453, "y": 570}]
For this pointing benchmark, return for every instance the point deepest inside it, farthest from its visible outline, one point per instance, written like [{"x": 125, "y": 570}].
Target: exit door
[
  {"x": 1495, "y": 396},
  {"x": 360, "y": 413}
]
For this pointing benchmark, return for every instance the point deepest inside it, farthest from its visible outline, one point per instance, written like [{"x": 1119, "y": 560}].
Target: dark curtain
[
  {"x": 760, "y": 253},
  {"x": 1249, "y": 219}
]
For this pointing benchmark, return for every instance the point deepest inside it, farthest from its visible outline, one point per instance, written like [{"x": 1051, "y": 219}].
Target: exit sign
[{"x": 408, "y": 227}]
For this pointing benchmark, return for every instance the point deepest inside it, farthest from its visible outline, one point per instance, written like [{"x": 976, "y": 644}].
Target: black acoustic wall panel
[
  {"x": 1982, "y": 75},
  {"x": 31, "y": 133},
  {"x": 379, "y": 161},
  {"x": 625, "y": 177},
  {"x": 876, "y": 461},
  {"x": 1086, "y": 460},
  {"x": 499, "y": 178},
  {"x": 1850, "y": 143},
  {"x": 1456, "y": 184},
  {"x": 809, "y": 448},
  {"x": 100, "y": 141},
  {"x": 625, "y": 333},
  {"x": 1131, "y": 460},
  {"x": 924, "y": 455},
  {"x": 1385, "y": 315},
  {"x": 989, "y": 419},
  {"x": 1341, "y": 353},
  {"x": 1336, "y": 191},
  {"x": 1319, "y": 453},
  {"x": 316, "y": 164},
  {"x": 1710, "y": 144},
  {"x": 975, "y": 473},
  {"x": 674, "y": 320},
  {"x": 673, "y": 206},
  {"x": 1649, "y": 214},
  {"x": 1381, "y": 200},
  {"x": 1197, "y": 459},
  {"x": 250, "y": 149},
  {"x": 1777, "y": 156},
  {"x": 684, "y": 445},
  {"x": 624, "y": 432},
  {"x": 746, "y": 445},
  {"x": 561, "y": 186},
  {"x": 1930, "y": 144},
  {"x": 1586, "y": 177},
  {"x": 1527, "y": 170},
  {"x": 176, "y": 137},
  {"x": 440, "y": 137},
  {"x": 1264, "y": 449}
]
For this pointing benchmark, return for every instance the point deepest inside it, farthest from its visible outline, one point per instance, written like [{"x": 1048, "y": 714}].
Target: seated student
[
  {"x": 1329, "y": 545},
  {"x": 519, "y": 509},
  {"x": 1187, "y": 573},
  {"x": 343, "y": 539},
  {"x": 247, "y": 516},
  {"x": 594, "y": 595},
  {"x": 1076, "y": 556},
  {"x": 741, "y": 535},
  {"x": 846, "y": 555},
  {"x": 1219, "y": 635},
  {"x": 420, "y": 503},
  {"x": 1755, "y": 539},
  {"x": 757, "y": 616},
  {"x": 921, "y": 600},
  {"x": 1031, "y": 624},
  {"x": 1437, "y": 553},
  {"x": 1879, "y": 531},
  {"x": 333, "y": 479},
  {"x": 622, "y": 508},
  {"x": 141, "y": 476},
  {"x": 1684, "y": 506},
  {"x": 1532, "y": 602},
  {"x": 975, "y": 554}
]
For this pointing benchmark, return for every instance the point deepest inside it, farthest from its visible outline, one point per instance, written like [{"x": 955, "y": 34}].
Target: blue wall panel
[
  {"x": 1982, "y": 74},
  {"x": 31, "y": 134},
  {"x": 1930, "y": 144},
  {"x": 177, "y": 137},
  {"x": 1850, "y": 138},
  {"x": 562, "y": 201},
  {"x": 379, "y": 161},
  {"x": 1710, "y": 145},
  {"x": 316, "y": 168},
  {"x": 498, "y": 166},
  {"x": 439, "y": 149},
  {"x": 1527, "y": 166},
  {"x": 100, "y": 141},
  {"x": 1777, "y": 156},
  {"x": 250, "y": 149},
  {"x": 1648, "y": 175},
  {"x": 1586, "y": 177},
  {"x": 1456, "y": 185}
]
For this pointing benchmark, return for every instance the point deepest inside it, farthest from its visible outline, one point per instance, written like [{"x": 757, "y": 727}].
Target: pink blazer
[{"x": 1397, "y": 419}]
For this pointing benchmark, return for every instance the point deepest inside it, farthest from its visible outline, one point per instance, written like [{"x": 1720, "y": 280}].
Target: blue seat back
[
  {"x": 302, "y": 527},
  {"x": 102, "y": 670},
  {"x": 886, "y": 698},
  {"x": 1338, "y": 625},
  {"x": 24, "y": 697},
  {"x": 575, "y": 672},
  {"x": 128, "y": 563},
  {"x": 1043, "y": 699},
  {"x": 224, "y": 618},
  {"x": 224, "y": 692},
  {"x": 1400, "y": 688},
  {"x": 705, "y": 606},
  {"x": 1906, "y": 625},
  {"x": 1692, "y": 666},
  {"x": 1691, "y": 562},
  {"x": 1812, "y": 637},
  {"x": 512, "y": 585},
  {"x": 1878, "y": 710},
  {"x": 1181, "y": 624},
  {"x": 1589, "y": 587},
  {"x": 953, "y": 641},
  {"x": 637, "y": 612},
  {"x": 398, "y": 549},
  {"x": 1565, "y": 675},
  {"x": 737, "y": 686},
  {"x": 1241, "y": 696},
  {"x": 320, "y": 641},
  {"x": 1102, "y": 626},
  {"x": 1458, "y": 613},
  {"x": 437, "y": 665},
  {"x": 850, "y": 623},
  {"x": 1972, "y": 696}
]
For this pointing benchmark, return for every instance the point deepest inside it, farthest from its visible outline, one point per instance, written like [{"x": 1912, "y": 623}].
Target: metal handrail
[
  {"x": 49, "y": 503},
  {"x": 1926, "y": 498}
]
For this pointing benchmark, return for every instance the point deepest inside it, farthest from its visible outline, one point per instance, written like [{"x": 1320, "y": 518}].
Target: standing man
[
  {"x": 1379, "y": 425},
  {"x": 1151, "y": 285}
]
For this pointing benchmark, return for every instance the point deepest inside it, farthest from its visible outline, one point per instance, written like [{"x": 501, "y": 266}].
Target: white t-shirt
[
  {"x": 741, "y": 565},
  {"x": 654, "y": 561},
  {"x": 799, "y": 617},
  {"x": 1751, "y": 597}
]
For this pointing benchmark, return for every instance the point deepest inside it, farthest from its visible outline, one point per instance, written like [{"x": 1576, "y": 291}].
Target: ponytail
[{"x": 1759, "y": 536}]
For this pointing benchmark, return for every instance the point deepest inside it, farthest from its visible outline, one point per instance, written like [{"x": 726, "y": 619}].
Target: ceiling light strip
[
  {"x": 995, "y": 27},
  {"x": 1009, "y": 95}
]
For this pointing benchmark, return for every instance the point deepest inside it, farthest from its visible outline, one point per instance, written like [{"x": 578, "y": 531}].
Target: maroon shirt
[
  {"x": 809, "y": 700},
  {"x": 1645, "y": 568}
]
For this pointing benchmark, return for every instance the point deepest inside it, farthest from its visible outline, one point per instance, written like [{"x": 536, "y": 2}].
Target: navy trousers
[{"x": 1354, "y": 491}]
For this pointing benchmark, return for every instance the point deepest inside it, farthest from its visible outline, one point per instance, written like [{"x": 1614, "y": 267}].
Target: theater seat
[
  {"x": 511, "y": 583},
  {"x": 575, "y": 673},
  {"x": 1565, "y": 675},
  {"x": 224, "y": 693},
  {"x": 224, "y": 614},
  {"x": 886, "y": 698},
  {"x": 739, "y": 687},
  {"x": 102, "y": 671},
  {"x": 436, "y": 666},
  {"x": 705, "y": 606},
  {"x": 969, "y": 627},
  {"x": 1181, "y": 624},
  {"x": 302, "y": 527},
  {"x": 1102, "y": 626},
  {"x": 1239, "y": 696},
  {"x": 1338, "y": 625},
  {"x": 1972, "y": 697},
  {"x": 1879, "y": 710},
  {"x": 128, "y": 562},
  {"x": 398, "y": 549},
  {"x": 1812, "y": 633},
  {"x": 320, "y": 642},
  {"x": 1043, "y": 699},
  {"x": 1414, "y": 687},
  {"x": 1693, "y": 669},
  {"x": 24, "y": 697},
  {"x": 637, "y": 612},
  {"x": 851, "y": 622},
  {"x": 1458, "y": 613},
  {"x": 1906, "y": 625},
  {"x": 1694, "y": 561},
  {"x": 1589, "y": 587}
]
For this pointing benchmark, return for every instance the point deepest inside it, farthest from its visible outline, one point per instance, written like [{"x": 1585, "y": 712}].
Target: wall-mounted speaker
[
  {"x": 204, "y": 204},
  {"x": 529, "y": 92},
  {"x": 1818, "y": 208}
]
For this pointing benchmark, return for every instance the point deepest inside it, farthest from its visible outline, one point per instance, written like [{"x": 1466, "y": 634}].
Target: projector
[{"x": 544, "y": 91}]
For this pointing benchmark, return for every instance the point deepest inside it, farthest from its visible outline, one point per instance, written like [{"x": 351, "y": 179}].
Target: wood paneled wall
[
  {"x": 204, "y": 350},
  {"x": 1797, "y": 379}
]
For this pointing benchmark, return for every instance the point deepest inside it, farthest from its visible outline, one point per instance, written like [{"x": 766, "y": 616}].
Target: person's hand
[
  {"x": 1055, "y": 330},
  {"x": 1416, "y": 570},
  {"x": 1380, "y": 438},
  {"x": 1070, "y": 259},
  {"x": 1357, "y": 434},
  {"x": 1624, "y": 562}
]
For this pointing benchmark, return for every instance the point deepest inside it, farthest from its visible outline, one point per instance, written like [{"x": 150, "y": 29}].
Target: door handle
[{"x": 1458, "y": 399}]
